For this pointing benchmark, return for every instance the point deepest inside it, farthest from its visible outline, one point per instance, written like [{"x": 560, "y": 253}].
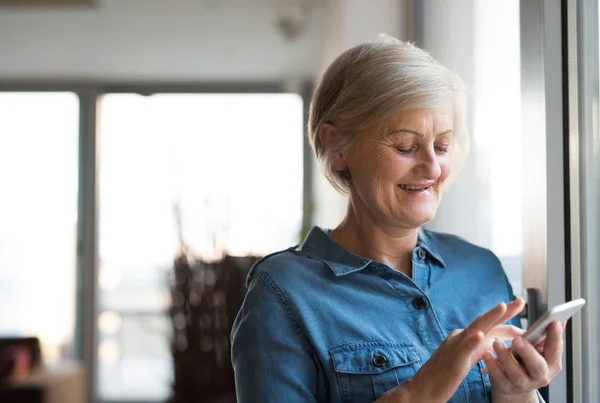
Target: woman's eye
[
  {"x": 442, "y": 150},
  {"x": 405, "y": 150}
]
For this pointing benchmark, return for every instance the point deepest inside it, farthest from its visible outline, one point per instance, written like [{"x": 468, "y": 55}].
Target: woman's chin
[{"x": 419, "y": 218}]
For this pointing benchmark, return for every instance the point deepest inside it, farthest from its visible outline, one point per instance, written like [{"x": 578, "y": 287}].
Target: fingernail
[{"x": 518, "y": 342}]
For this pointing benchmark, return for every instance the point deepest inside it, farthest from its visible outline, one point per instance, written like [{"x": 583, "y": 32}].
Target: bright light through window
[
  {"x": 231, "y": 163},
  {"x": 497, "y": 120},
  {"x": 38, "y": 217}
]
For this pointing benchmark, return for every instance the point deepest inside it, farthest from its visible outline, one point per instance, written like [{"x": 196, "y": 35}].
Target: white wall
[{"x": 180, "y": 40}]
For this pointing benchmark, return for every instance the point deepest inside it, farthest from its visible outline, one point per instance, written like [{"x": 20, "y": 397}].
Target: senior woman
[{"x": 379, "y": 309}]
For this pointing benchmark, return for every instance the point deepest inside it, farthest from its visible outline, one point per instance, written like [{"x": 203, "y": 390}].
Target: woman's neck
[{"x": 359, "y": 234}]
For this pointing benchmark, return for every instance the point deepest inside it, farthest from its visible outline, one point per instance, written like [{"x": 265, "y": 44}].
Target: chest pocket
[{"x": 365, "y": 371}]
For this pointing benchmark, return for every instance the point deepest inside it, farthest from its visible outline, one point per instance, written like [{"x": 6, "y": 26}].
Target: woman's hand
[
  {"x": 517, "y": 382},
  {"x": 439, "y": 378}
]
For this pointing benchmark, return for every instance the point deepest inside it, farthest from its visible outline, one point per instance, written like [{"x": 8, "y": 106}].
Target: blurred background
[{"x": 141, "y": 141}]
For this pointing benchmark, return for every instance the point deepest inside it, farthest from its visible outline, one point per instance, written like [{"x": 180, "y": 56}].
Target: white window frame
[{"x": 545, "y": 177}]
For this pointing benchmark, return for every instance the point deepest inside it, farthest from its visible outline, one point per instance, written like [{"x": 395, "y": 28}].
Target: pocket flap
[{"x": 372, "y": 357}]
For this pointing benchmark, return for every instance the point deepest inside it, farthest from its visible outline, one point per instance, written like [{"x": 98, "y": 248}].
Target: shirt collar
[
  {"x": 318, "y": 245},
  {"x": 429, "y": 243}
]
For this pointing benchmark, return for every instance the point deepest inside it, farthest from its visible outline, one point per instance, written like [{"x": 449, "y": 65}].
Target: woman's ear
[{"x": 328, "y": 135}]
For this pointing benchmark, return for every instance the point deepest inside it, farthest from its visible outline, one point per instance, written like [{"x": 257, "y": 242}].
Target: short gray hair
[{"x": 371, "y": 81}]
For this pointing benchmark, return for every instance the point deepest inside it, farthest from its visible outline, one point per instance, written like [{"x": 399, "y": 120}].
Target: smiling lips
[{"x": 416, "y": 188}]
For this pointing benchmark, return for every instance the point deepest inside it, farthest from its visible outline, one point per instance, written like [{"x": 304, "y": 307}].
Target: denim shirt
[{"x": 320, "y": 324}]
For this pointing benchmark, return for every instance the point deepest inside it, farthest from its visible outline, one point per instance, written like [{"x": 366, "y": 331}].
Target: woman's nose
[{"x": 430, "y": 165}]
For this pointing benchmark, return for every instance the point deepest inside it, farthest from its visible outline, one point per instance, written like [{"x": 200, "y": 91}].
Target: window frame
[
  {"x": 583, "y": 97},
  {"x": 546, "y": 205}
]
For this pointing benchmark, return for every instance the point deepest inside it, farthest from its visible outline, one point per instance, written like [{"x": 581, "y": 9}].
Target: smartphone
[
  {"x": 537, "y": 332},
  {"x": 563, "y": 312}
]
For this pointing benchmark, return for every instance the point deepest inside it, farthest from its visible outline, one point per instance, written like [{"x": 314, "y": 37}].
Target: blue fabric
[{"x": 320, "y": 324}]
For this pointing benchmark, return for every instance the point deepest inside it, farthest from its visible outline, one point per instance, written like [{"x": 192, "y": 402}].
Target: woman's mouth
[{"x": 416, "y": 189}]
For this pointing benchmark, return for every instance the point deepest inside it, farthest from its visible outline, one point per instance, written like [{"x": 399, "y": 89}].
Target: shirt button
[
  {"x": 419, "y": 303},
  {"x": 379, "y": 360},
  {"x": 422, "y": 254}
]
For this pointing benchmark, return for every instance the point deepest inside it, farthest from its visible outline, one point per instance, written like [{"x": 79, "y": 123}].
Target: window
[
  {"x": 38, "y": 217},
  {"x": 497, "y": 135},
  {"x": 228, "y": 167}
]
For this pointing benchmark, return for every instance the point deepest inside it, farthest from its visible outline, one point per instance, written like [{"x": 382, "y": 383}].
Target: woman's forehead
[
  {"x": 420, "y": 119},
  {"x": 438, "y": 115}
]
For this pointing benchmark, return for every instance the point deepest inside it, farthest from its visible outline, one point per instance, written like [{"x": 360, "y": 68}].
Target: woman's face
[{"x": 399, "y": 171}]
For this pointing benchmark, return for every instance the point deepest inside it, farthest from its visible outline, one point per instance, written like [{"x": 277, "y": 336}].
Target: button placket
[{"x": 420, "y": 270}]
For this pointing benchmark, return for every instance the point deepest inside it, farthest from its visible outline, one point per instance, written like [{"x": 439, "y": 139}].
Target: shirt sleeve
[{"x": 272, "y": 363}]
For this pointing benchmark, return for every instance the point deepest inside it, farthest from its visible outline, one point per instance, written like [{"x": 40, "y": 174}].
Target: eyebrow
[{"x": 418, "y": 133}]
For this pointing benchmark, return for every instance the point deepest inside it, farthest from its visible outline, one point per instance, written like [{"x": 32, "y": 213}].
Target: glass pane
[
  {"x": 497, "y": 96},
  {"x": 230, "y": 166},
  {"x": 38, "y": 217}
]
